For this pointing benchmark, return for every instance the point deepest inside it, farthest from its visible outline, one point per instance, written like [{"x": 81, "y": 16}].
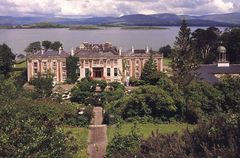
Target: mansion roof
[
  {"x": 87, "y": 50},
  {"x": 141, "y": 53},
  {"x": 207, "y": 72},
  {"x": 96, "y": 54},
  {"x": 49, "y": 54}
]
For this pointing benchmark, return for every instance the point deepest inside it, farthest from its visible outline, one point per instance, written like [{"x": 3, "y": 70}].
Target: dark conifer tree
[
  {"x": 149, "y": 73},
  {"x": 72, "y": 66},
  {"x": 6, "y": 60},
  {"x": 184, "y": 59}
]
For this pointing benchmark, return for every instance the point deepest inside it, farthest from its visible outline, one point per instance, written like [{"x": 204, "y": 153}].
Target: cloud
[{"x": 83, "y": 8}]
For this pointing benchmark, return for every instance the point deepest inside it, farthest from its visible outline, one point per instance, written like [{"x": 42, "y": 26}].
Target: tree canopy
[
  {"x": 33, "y": 47},
  {"x": 56, "y": 45},
  {"x": 205, "y": 43},
  {"x": 72, "y": 66},
  {"x": 149, "y": 72},
  {"x": 37, "y": 46},
  {"x": 46, "y": 44},
  {"x": 184, "y": 59},
  {"x": 166, "y": 50},
  {"x": 43, "y": 84},
  {"x": 231, "y": 40},
  {"x": 7, "y": 59}
]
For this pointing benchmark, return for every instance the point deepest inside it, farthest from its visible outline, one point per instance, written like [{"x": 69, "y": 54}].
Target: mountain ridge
[{"x": 161, "y": 19}]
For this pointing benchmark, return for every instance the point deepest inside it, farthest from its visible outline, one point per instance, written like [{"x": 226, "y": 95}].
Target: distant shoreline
[
  {"x": 143, "y": 28},
  {"x": 46, "y": 25},
  {"x": 83, "y": 27}
]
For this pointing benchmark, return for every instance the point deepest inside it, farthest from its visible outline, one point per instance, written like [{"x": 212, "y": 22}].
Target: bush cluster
[
  {"x": 31, "y": 131},
  {"x": 217, "y": 138},
  {"x": 166, "y": 101}
]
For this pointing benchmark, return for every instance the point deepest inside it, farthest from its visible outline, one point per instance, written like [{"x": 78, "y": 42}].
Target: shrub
[
  {"x": 43, "y": 85},
  {"x": 158, "y": 101},
  {"x": 115, "y": 85},
  {"x": 102, "y": 84},
  {"x": 230, "y": 87},
  {"x": 83, "y": 91},
  {"x": 24, "y": 135},
  {"x": 145, "y": 102},
  {"x": 217, "y": 138},
  {"x": 202, "y": 100},
  {"x": 122, "y": 145},
  {"x": 136, "y": 82},
  {"x": 8, "y": 91},
  {"x": 60, "y": 113}
]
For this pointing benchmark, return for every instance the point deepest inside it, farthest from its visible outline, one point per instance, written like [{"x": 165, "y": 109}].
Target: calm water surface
[{"x": 18, "y": 39}]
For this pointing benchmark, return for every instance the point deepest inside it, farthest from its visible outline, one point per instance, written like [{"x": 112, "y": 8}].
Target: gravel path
[{"x": 97, "y": 135}]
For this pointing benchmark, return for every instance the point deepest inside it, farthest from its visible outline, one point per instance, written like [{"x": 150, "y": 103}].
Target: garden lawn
[
  {"x": 21, "y": 64},
  {"x": 81, "y": 135},
  {"x": 146, "y": 129},
  {"x": 166, "y": 62}
]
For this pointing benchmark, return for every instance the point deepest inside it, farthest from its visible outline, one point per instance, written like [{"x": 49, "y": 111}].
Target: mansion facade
[{"x": 101, "y": 61}]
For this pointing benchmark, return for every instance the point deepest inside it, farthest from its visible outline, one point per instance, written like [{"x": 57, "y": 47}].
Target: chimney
[
  {"x": 120, "y": 52},
  {"x": 132, "y": 49},
  {"x": 147, "y": 50},
  {"x": 72, "y": 52},
  {"x": 60, "y": 50},
  {"x": 42, "y": 50}
]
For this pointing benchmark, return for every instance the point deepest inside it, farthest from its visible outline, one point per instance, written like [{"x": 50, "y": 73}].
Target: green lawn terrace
[{"x": 146, "y": 129}]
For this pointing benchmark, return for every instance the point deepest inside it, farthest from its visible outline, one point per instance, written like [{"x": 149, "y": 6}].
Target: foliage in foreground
[
  {"x": 43, "y": 85},
  {"x": 122, "y": 144},
  {"x": 24, "y": 135},
  {"x": 166, "y": 101},
  {"x": 6, "y": 60},
  {"x": 220, "y": 137}
]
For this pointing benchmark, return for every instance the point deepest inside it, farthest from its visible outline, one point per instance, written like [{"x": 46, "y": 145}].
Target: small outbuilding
[{"x": 213, "y": 72}]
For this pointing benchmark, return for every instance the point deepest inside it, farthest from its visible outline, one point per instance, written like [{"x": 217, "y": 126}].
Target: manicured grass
[
  {"x": 20, "y": 65},
  {"x": 146, "y": 129},
  {"x": 166, "y": 62},
  {"x": 81, "y": 134}
]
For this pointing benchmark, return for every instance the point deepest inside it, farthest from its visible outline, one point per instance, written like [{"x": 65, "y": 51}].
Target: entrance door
[{"x": 97, "y": 72}]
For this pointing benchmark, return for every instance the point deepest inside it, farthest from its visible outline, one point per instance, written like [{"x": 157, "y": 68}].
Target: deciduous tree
[
  {"x": 56, "y": 45},
  {"x": 205, "y": 43},
  {"x": 43, "y": 84},
  {"x": 46, "y": 44},
  {"x": 33, "y": 47},
  {"x": 166, "y": 50},
  {"x": 231, "y": 40}
]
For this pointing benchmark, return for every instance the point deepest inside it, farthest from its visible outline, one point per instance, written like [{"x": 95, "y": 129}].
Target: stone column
[
  {"x": 140, "y": 67},
  {"x": 133, "y": 68},
  {"x": 60, "y": 71},
  {"x": 160, "y": 61},
  {"x": 29, "y": 69},
  {"x": 40, "y": 66}
]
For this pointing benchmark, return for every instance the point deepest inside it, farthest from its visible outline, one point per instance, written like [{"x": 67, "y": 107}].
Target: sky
[{"x": 90, "y": 8}]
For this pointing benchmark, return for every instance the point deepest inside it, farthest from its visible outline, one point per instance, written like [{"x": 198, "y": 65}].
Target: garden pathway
[{"x": 97, "y": 135}]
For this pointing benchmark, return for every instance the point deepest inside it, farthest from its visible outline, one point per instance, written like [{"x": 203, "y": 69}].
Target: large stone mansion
[{"x": 103, "y": 61}]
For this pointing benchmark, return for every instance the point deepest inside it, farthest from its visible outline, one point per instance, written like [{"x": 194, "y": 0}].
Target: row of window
[
  {"x": 54, "y": 64},
  {"x": 45, "y": 68},
  {"x": 137, "y": 62},
  {"x": 97, "y": 62},
  {"x": 115, "y": 72}
]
